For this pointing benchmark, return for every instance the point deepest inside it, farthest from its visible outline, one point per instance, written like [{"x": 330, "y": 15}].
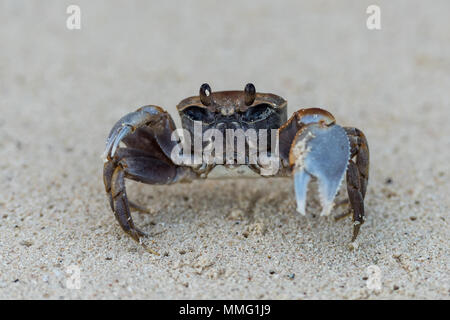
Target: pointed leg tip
[
  {"x": 356, "y": 227},
  {"x": 148, "y": 249},
  {"x": 139, "y": 236},
  {"x": 354, "y": 245}
]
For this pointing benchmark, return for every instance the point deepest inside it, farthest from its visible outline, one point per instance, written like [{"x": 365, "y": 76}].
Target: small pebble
[{"x": 26, "y": 243}]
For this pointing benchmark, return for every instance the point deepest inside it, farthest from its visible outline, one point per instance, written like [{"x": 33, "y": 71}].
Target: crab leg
[
  {"x": 147, "y": 134},
  {"x": 360, "y": 149},
  {"x": 140, "y": 166},
  {"x": 357, "y": 176},
  {"x": 355, "y": 197}
]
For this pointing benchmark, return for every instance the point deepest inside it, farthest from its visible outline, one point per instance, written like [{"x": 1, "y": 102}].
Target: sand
[{"x": 61, "y": 91}]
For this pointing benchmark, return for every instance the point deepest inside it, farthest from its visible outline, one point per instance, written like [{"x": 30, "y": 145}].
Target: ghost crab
[{"x": 310, "y": 144}]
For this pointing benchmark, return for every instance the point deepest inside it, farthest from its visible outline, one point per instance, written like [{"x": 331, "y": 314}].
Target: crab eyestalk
[
  {"x": 250, "y": 94},
  {"x": 205, "y": 94}
]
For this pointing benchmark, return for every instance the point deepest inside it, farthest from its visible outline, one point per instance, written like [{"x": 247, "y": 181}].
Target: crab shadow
[{"x": 236, "y": 207}]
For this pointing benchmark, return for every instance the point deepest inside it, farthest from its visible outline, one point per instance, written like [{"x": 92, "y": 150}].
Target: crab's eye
[
  {"x": 196, "y": 113},
  {"x": 250, "y": 94},
  {"x": 258, "y": 113},
  {"x": 205, "y": 94}
]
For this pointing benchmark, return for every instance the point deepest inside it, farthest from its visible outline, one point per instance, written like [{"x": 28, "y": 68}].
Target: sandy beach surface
[{"x": 62, "y": 90}]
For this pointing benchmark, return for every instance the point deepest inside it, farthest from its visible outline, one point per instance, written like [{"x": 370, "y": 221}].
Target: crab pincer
[{"x": 321, "y": 151}]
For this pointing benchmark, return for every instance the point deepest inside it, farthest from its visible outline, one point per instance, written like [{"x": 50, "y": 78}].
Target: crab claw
[
  {"x": 301, "y": 180},
  {"x": 129, "y": 123},
  {"x": 114, "y": 140},
  {"x": 322, "y": 152}
]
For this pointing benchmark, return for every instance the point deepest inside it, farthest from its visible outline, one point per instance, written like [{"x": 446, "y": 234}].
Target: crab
[{"x": 309, "y": 145}]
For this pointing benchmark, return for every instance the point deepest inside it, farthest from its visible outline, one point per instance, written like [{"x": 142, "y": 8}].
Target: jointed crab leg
[
  {"x": 137, "y": 165},
  {"x": 360, "y": 149},
  {"x": 147, "y": 135},
  {"x": 357, "y": 176},
  {"x": 355, "y": 197}
]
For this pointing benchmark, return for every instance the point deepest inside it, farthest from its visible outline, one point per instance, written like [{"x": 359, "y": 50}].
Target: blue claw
[
  {"x": 301, "y": 180},
  {"x": 114, "y": 140},
  {"x": 122, "y": 134},
  {"x": 322, "y": 152}
]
